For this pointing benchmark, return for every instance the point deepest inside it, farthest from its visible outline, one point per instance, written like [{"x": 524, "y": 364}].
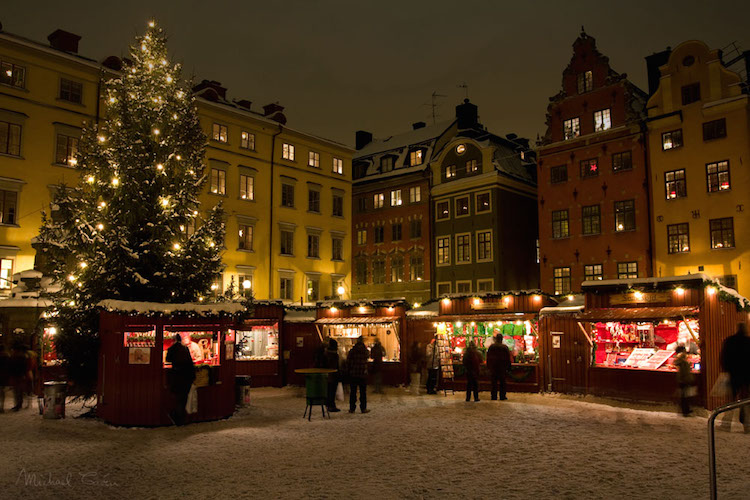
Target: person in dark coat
[
  {"x": 472, "y": 360},
  {"x": 356, "y": 363},
  {"x": 684, "y": 379},
  {"x": 319, "y": 359},
  {"x": 377, "y": 353},
  {"x": 432, "y": 358},
  {"x": 4, "y": 362},
  {"x": 180, "y": 378},
  {"x": 735, "y": 361},
  {"x": 498, "y": 364},
  {"x": 416, "y": 363},
  {"x": 17, "y": 374},
  {"x": 332, "y": 362}
]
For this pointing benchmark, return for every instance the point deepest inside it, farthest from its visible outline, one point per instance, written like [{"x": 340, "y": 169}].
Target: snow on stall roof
[
  {"x": 299, "y": 316},
  {"x": 426, "y": 311},
  {"x": 161, "y": 308},
  {"x": 26, "y": 302},
  {"x": 561, "y": 309},
  {"x": 28, "y": 274},
  {"x": 405, "y": 139}
]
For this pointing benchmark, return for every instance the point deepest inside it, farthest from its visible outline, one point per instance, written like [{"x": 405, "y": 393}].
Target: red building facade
[{"x": 593, "y": 198}]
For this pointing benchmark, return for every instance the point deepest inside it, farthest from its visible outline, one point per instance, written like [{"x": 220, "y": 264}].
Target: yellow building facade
[
  {"x": 698, "y": 153},
  {"x": 286, "y": 193}
]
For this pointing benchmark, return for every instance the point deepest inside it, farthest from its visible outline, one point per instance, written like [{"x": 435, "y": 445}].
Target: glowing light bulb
[
  {"x": 180, "y": 94},
  {"x": 163, "y": 62},
  {"x": 247, "y": 284},
  {"x": 159, "y": 166},
  {"x": 711, "y": 290},
  {"x": 174, "y": 116},
  {"x": 176, "y": 246},
  {"x": 200, "y": 299},
  {"x": 537, "y": 298},
  {"x": 150, "y": 65},
  {"x": 102, "y": 204},
  {"x": 169, "y": 79},
  {"x": 82, "y": 265},
  {"x": 52, "y": 330},
  {"x": 112, "y": 100},
  {"x": 477, "y": 301},
  {"x": 157, "y": 131},
  {"x": 90, "y": 179},
  {"x": 638, "y": 295},
  {"x": 100, "y": 226},
  {"x": 340, "y": 290},
  {"x": 143, "y": 47},
  {"x": 679, "y": 290},
  {"x": 71, "y": 277},
  {"x": 214, "y": 286},
  {"x": 195, "y": 213},
  {"x": 151, "y": 24},
  {"x": 211, "y": 244},
  {"x": 333, "y": 309},
  {"x": 571, "y": 297},
  {"x": 178, "y": 157},
  {"x": 164, "y": 202},
  {"x": 416, "y": 305},
  {"x": 73, "y": 162},
  {"x": 115, "y": 181},
  {"x": 102, "y": 138},
  {"x": 446, "y": 301}
]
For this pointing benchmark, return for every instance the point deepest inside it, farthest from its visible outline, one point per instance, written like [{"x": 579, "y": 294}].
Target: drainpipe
[
  {"x": 651, "y": 235},
  {"x": 270, "y": 216}
]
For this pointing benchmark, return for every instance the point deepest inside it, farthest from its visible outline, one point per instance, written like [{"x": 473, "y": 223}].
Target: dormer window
[
  {"x": 585, "y": 82},
  {"x": 386, "y": 164},
  {"x": 416, "y": 157},
  {"x": 450, "y": 171}
]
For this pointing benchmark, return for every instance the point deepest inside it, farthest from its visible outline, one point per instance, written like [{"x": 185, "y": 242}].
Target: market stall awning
[
  {"x": 370, "y": 320},
  {"x": 259, "y": 322},
  {"x": 487, "y": 318},
  {"x": 637, "y": 313}
]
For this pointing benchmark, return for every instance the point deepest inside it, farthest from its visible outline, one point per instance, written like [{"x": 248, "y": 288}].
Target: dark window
[
  {"x": 378, "y": 233},
  {"x": 678, "y": 238},
  {"x": 463, "y": 248},
  {"x": 362, "y": 204},
  {"x": 622, "y": 161},
  {"x": 592, "y": 272},
  {"x": 442, "y": 210},
  {"x": 416, "y": 268},
  {"x": 671, "y": 140},
  {"x": 287, "y": 243},
  {"x": 722, "y": 232},
  {"x": 462, "y": 206},
  {"x": 313, "y": 288},
  {"x": 562, "y": 280},
  {"x": 396, "y": 232},
  {"x": 729, "y": 281},
  {"x": 592, "y": 221},
  {"x": 360, "y": 271},
  {"x": 245, "y": 234},
  {"x": 675, "y": 185},
  {"x": 338, "y": 205},
  {"x": 627, "y": 270},
  {"x": 484, "y": 245},
  {"x": 313, "y": 201},
  {"x": 560, "y": 227},
  {"x": 313, "y": 245},
  {"x": 483, "y": 203},
  {"x": 691, "y": 93},
  {"x": 386, "y": 164},
  {"x": 378, "y": 270},
  {"x": 10, "y": 139},
  {"x": 625, "y": 215},
  {"x": 287, "y": 195},
  {"x": 559, "y": 174},
  {"x": 589, "y": 168},
  {"x": 286, "y": 288},
  {"x": 717, "y": 176},
  {"x": 416, "y": 228},
  {"x": 71, "y": 91},
  {"x": 337, "y": 249},
  {"x": 715, "y": 129},
  {"x": 585, "y": 82},
  {"x": 8, "y": 210},
  {"x": 397, "y": 269}
]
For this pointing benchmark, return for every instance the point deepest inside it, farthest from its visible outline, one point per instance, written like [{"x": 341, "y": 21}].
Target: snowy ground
[{"x": 531, "y": 446}]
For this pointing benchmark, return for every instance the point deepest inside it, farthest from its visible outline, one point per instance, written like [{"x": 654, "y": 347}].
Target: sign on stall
[
  {"x": 642, "y": 298},
  {"x": 556, "y": 340},
  {"x": 639, "y": 355},
  {"x": 655, "y": 361},
  {"x": 139, "y": 355}
]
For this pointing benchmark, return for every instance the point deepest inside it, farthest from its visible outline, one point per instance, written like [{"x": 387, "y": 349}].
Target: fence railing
[{"x": 712, "y": 443}]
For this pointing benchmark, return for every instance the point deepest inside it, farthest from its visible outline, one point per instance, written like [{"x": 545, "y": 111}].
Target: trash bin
[
  {"x": 316, "y": 385},
  {"x": 54, "y": 399},
  {"x": 242, "y": 390}
]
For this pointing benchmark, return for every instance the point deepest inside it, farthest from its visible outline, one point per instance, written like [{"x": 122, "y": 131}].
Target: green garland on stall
[{"x": 527, "y": 371}]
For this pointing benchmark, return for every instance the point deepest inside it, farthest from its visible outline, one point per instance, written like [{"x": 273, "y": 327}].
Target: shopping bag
[
  {"x": 691, "y": 391},
  {"x": 192, "y": 401},
  {"x": 722, "y": 387},
  {"x": 340, "y": 392}
]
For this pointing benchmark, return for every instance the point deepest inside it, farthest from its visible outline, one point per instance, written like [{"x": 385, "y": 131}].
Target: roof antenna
[
  {"x": 466, "y": 89},
  {"x": 435, "y": 114}
]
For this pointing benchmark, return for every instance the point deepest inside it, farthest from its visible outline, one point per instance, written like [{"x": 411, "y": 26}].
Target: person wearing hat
[
  {"x": 498, "y": 364},
  {"x": 356, "y": 363}
]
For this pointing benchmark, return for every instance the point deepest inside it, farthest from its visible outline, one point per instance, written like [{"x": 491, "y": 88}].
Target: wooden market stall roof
[
  {"x": 490, "y": 318},
  {"x": 637, "y": 313},
  {"x": 353, "y": 320}
]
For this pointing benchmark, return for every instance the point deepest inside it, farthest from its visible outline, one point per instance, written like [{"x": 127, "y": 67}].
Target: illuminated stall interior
[
  {"x": 202, "y": 343},
  {"x": 346, "y": 331},
  {"x": 520, "y": 335},
  {"x": 257, "y": 341}
]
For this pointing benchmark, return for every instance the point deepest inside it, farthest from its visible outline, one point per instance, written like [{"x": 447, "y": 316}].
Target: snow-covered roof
[
  {"x": 200, "y": 309},
  {"x": 426, "y": 311},
  {"x": 560, "y": 309},
  {"x": 299, "y": 316},
  {"x": 648, "y": 281},
  {"x": 413, "y": 137},
  {"x": 26, "y": 302}
]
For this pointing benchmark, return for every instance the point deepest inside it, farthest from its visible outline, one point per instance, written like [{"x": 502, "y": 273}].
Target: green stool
[{"x": 317, "y": 393}]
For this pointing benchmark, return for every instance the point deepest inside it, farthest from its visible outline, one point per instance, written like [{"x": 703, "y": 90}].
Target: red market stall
[
  {"x": 258, "y": 345},
  {"x": 622, "y": 342},
  {"x": 133, "y": 371},
  {"x": 479, "y": 318},
  {"x": 384, "y": 320}
]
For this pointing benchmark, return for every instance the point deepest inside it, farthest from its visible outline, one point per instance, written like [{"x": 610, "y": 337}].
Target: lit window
[
  {"x": 415, "y": 194},
  {"x": 483, "y": 203},
  {"x": 722, "y": 232},
  {"x": 313, "y": 288},
  {"x": 592, "y": 272},
  {"x": 450, "y": 171},
  {"x": 396, "y": 198},
  {"x": 12, "y": 74},
  {"x": 218, "y": 181},
  {"x": 378, "y": 200},
  {"x": 463, "y": 248},
  {"x": 674, "y": 183},
  {"x": 361, "y": 236},
  {"x": 378, "y": 270},
  {"x": 589, "y": 168},
  {"x": 561, "y": 276},
  {"x": 416, "y": 157},
  {"x": 338, "y": 166},
  {"x": 460, "y": 149},
  {"x": 287, "y": 151},
  {"x": 717, "y": 176},
  {"x": 220, "y": 133},
  {"x": 591, "y": 219},
  {"x": 625, "y": 215},
  {"x": 247, "y": 187},
  {"x": 397, "y": 269},
  {"x": 627, "y": 270},
  {"x": 6, "y": 274},
  {"x": 67, "y": 148},
  {"x": 247, "y": 140},
  {"x": 678, "y": 238},
  {"x": 484, "y": 246},
  {"x": 313, "y": 159},
  {"x": 286, "y": 288},
  {"x": 671, "y": 140},
  {"x": 246, "y": 237},
  {"x": 471, "y": 166},
  {"x": 462, "y": 206},
  {"x": 444, "y": 250},
  {"x": 571, "y": 128},
  {"x": 442, "y": 210},
  {"x": 416, "y": 268},
  {"x": 602, "y": 120},
  {"x": 622, "y": 161},
  {"x": 560, "y": 225},
  {"x": 585, "y": 82}
]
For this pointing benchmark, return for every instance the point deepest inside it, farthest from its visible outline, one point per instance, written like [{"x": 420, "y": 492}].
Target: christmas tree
[{"x": 132, "y": 229}]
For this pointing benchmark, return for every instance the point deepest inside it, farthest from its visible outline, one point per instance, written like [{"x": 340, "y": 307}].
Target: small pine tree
[{"x": 131, "y": 229}]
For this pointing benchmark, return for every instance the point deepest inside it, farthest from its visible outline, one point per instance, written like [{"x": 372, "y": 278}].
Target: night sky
[{"x": 339, "y": 66}]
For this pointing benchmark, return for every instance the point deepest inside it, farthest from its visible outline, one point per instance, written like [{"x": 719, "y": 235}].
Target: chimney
[
  {"x": 653, "y": 63},
  {"x": 272, "y": 108},
  {"x": 244, "y": 104},
  {"x": 362, "y": 139},
  {"x": 113, "y": 63},
  {"x": 467, "y": 115},
  {"x": 418, "y": 125},
  {"x": 211, "y": 90},
  {"x": 64, "y": 40}
]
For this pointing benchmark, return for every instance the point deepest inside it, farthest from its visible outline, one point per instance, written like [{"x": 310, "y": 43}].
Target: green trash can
[{"x": 317, "y": 387}]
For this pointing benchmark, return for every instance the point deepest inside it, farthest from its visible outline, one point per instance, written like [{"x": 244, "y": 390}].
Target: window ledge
[
  {"x": 251, "y": 200},
  {"x": 720, "y": 191},
  {"x": 216, "y": 141},
  {"x": 561, "y": 238},
  {"x": 337, "y": 260},
  {"x": 592, "y": 234},
  {"x": 314, "y": 212},
  {"x": 5, "y": 224},
  {"x": 312, "y": 258},
  {"x": 218, "y": 194},
  {"x": 14, "y": 87},
  {"x": 72, "y": 103},
  {"x": 338, "y": 216},
  {"x": 671, "y": 149},
  {"x": 482, "y": 261},
  {"x": 286, "y": 254},
  {"x": 63, "y": 165},
  {"x": 246, "y": 250},
  {"x": 287, "y": 206},
  {"x": 8, "y": 155},
  {"x": 723, "y": 249},
  {"x": 715, "y": 139},
  {"x": 252, "y": 150},
  {"x": 622, "y": 170},
  {"x": 626, "y": 231}
]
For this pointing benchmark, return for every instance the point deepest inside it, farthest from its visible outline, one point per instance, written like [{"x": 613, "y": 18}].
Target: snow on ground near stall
[{"x": 531, "y": 446}]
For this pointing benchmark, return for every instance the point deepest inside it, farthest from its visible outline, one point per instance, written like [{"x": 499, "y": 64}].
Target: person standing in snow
[
  {"x": 356, "y": 363},
  {"x": 498, "y": 364},
  {"x": 432, "y": 356},
  {"x": 377, "y": 353},
  {"x": 416, "y": 362},
  {"x": 472, "y": 361},
  {"x": 180, "y": 378},
  {"x": 17, "y": 374},
  {"x": 684, "y": 379},
  {"x": 332, "y": 362},
  {"x": 4, "y": 362},
  {"x": 735, "y": 361}
]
